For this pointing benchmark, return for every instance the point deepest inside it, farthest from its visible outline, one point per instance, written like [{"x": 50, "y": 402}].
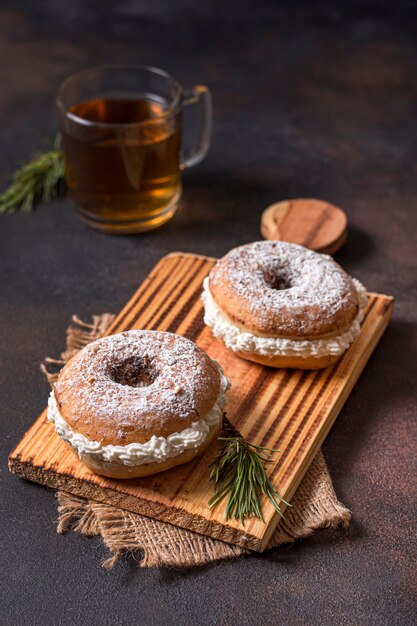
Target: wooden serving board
[{"x": 291, "y": 410}]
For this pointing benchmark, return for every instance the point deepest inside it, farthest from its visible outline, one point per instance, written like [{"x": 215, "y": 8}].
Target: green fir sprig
[
  {"x": 238, "y": 472},
  {"x": 42, "y": 178}
]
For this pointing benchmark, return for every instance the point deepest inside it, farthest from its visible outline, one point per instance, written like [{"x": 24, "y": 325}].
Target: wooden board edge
[
  {"x": 188, "y": 254},
  {"x": 324, "y": 431},
  {"x": 90, "y": 490}
]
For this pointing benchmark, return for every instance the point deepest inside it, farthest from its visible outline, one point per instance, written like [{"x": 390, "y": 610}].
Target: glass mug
[{"x": 121, "y": 132}]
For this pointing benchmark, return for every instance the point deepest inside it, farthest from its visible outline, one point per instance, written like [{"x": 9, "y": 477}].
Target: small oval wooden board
[
  {"x": 315, "y": 224},
  {"x": 289, "y": 410}
]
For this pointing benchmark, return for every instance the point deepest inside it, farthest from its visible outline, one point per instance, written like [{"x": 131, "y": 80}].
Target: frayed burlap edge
[
  {"x": 314, "y": 505},
  {"x": 79, "y": 334}
]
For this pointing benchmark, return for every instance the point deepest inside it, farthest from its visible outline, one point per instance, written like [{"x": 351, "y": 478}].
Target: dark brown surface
[{"x": 308, "y": 102}]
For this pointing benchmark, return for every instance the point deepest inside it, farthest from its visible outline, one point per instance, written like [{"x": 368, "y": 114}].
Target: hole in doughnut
[
  {"x": 276, "y": 282},
  {"x": 134, "y": 372}
]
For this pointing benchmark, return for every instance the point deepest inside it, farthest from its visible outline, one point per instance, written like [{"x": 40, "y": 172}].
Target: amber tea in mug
[{"x": 122, "y": 146}]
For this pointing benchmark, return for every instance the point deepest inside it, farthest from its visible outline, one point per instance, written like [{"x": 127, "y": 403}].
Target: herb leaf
[
  {"x": 42, "y": 178},
  {"x": 238, "y": 472}
]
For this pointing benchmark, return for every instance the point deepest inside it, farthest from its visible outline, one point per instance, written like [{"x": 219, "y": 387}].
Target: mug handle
[{"x": 200, "y": 94}]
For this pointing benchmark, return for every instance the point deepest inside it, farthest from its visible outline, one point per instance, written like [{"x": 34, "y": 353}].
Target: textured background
[{"x": 308, "y": 102}]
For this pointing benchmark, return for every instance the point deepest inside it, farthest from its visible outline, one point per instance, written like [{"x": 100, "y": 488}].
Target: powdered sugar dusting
[
  {"x": 244, "y": 341},
  {"x": 284, "y": 288},
  {"x": 182, "y": 385},
  {"x": 156, "y": 450}
]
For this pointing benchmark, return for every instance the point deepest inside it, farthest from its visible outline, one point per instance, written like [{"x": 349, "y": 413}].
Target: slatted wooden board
[{"x": 291, "y": 410}]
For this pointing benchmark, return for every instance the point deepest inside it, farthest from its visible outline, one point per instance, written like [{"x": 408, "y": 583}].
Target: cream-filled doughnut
[
  {"x": 138, "y": 402},
  {"x": 283, "y": 305}
]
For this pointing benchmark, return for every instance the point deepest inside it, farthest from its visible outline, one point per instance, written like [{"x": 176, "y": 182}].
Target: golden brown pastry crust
[
  {"x": 278, "y": 289},
  {"x": 118, "y": 470},
  {"x": 183, "y": 384},
  {"x": 291, "y": 362}
]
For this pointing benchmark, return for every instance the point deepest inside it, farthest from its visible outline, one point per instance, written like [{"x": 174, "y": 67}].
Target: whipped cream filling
[
  {"x": 156, "y": 450},
  {"x": 243, "y": 341}
]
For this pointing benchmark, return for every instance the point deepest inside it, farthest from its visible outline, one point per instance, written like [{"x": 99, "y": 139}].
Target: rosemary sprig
[
  {"x": 238, "y": 472},
  {"x": 42, "y": 178}
]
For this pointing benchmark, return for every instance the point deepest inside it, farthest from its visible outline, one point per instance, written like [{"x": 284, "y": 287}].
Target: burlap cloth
[{"x": 314, "y": 505}]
